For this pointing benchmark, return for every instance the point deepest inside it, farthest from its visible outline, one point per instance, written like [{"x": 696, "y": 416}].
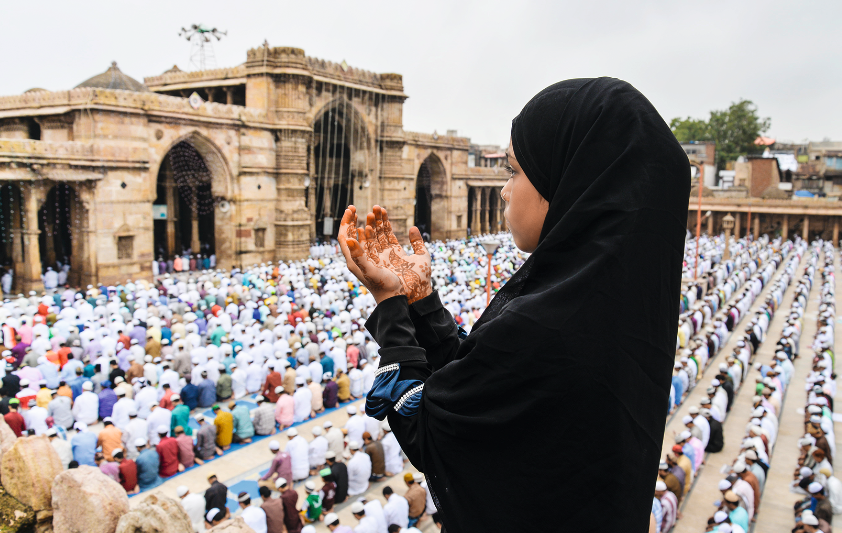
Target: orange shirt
[
  {"x": 110, "y": 439},
  {"x": 62, "y": 355}
]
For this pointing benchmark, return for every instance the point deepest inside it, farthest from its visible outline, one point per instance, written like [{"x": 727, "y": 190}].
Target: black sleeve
[{"x": 435, "y": 330}]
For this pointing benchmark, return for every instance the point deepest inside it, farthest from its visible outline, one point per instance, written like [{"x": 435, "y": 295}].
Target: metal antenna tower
[{"x": 201, "y": 44}]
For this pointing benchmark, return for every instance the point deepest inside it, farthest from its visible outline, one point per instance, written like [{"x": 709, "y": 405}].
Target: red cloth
[
  {"x": 165, "y": 402},
  {"x": 168, "y": 455},
  {"x": 127, "y": 342},
  {"x": 273, "y": 380},
  {"x": 62, "y": 355},
  {"x": 15, "y": 421},
  {"x": 128, "y": 474},
  {"x": 185, "y": 450}
]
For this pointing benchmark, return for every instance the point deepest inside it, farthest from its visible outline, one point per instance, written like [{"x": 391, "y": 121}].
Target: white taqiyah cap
[
  {"x": 280, "y": 482},
  {"x": 274, "y": 445},
  {"x": 330, "y": 455},
  {"x": 351, "y": 410},
  {"x": 354, "y": 445},
  {"x": 163, "y": 429},
  {"x": 693, "y": 410},
  {"x": 808, "y": 519},
  {"x": 181, "y": 491},
  {"x": 687, "y": 420},
  {"x": 327, "y": 425},
  {"x": 317, "y": 430},
  {"x": 805, "y": 471},
  {"x": 140, "y": 441},
  {"x": 331, "y": 518},
  {"x": 739, "y": 467},
  {"x": 724, "y": 528},
  {"x": 724, "y": 484},
  {"x": 212, "y": 514},
  {"x": 357, "y": 507},
  {"x": 720, "y": 517},
  {"x": 814, "y": 487},
  {"x": 660, "y": 485},
  {"x": 309, "y": 486},
  {"x": 292, "y": 432}
]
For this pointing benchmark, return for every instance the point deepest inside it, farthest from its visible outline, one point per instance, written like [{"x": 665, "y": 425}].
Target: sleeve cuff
[
  {"x": 390, "y": 324},
  {"x": 428, "y": 304}
]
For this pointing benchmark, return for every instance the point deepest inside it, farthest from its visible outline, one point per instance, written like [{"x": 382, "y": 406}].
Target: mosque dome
[{"x": 113, "y": 78}]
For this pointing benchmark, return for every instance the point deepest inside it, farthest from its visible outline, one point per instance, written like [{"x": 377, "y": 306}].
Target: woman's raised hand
[{"x": 377, "y": 259}]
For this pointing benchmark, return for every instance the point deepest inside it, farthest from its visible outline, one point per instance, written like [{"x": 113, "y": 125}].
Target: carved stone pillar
[
  {"x": 710, "y": 224},
  {"x": 485, "y": 207},
  {"x": 806, "y": 229},
  {"x": 172, "y": 213},
  {"x": 727, "y": 225},
  {"x": 229, "y": 95},
  {"x": 195, "y": 244},
  {"x": 737, "y": 226},
  {"x": 31, "y": 275},
  {"x": 785, "y": 227},
  {"x": 476, "y": 224},
  {"x": 757, "y": 226},
  {"x": 835, "y": 238}
]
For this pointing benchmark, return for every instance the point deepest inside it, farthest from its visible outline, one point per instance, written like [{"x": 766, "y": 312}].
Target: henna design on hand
[
  {"x": 380, "y": 234},
  {"x": 351, "y": 232},
  {"x": 418, "y": 247},
  {"x": 371, "y": 251},
  {"x": 390, "y": 235},
  {"x": 416, "y": 287}
]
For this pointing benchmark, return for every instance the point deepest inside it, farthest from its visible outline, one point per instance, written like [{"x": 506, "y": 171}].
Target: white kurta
[
  {"x": 392, "y": 453},
  {"x": 64, "y": 450},
  {"x": 86, "y": 408},
  {"x": 397, "y": 510},
  {"x": 359, "y": 470},
  {"x": 356, "y": 427},
  {"x": 194, "y": 506},
  {"x": 318, "y": 448},
  {"x": 298, "y": 450},
  {"x": 120, "y": 412},
  {"x": 303, "y": 400}
]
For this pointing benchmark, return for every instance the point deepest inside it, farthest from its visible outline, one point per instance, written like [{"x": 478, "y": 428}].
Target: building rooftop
[{"x": 113, "y": 78}]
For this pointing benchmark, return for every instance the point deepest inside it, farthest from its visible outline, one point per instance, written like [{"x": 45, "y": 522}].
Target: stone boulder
[
  {"x": 155, "y": 514},
  {"x": 7, "y": 439},
  {"x": 14, "y": 516},
  {"x": 27, "y": 471},
  {"x": 87, "y": 501},
  {"x": 237, "y": 525}
]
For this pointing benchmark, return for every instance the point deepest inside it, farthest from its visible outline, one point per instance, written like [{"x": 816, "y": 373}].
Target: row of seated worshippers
[
  {"x": 814, "y": 476},
  {"x": 742, "y": 489},
  {"x": 711, "y": 334},
  {"x": 703, "y": 425}
]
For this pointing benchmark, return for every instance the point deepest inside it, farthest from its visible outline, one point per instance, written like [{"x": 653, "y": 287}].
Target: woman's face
[{"x": 526, "y": 209}]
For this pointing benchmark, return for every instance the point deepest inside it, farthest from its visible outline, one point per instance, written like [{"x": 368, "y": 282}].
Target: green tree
[
  {"x": 734, "y": 130},
  {"x": 690, "y": 129}
]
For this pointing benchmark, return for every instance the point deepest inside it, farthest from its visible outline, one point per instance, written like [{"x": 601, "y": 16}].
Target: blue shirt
[
  {"x": 75, "y": 385},
  {"x": 691, "y": 454},
  {"x": 84, "y": 448},
  {"x": 68, "y": 372},
  {"x": 50, "y": 373},
  {"x": 243, "y": 426},
  {"x": 739, "y": 516},
  {"x": 190, "y": 396},
  {"x": 327, "y": 365},
  {"x": 658, "y": 511},
  {"x": 207, "y": 393},
  {"x": 148, "y": 464}
]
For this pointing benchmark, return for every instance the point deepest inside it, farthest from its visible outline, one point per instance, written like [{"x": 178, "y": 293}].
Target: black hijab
[{"x": 552, "y": 415}]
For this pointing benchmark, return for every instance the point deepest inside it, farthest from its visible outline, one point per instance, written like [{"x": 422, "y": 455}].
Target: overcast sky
[{"x": 471, "y": 65}]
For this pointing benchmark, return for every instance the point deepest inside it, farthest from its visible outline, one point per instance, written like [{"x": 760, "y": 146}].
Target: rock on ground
[
  {"x": 237, "y": 525},
  {"x": 7, "y": 438},
  {"x": 14, "y": 515},
  {"x": 27, "y": 470},
  {"x": 87, "y": 501},
  {"x": 155, "y": 514}
]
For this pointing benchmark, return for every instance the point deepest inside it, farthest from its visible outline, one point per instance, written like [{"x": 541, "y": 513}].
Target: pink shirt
[{"x": 284, "y": 410}]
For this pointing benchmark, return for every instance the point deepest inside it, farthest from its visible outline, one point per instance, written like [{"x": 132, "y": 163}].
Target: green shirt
[
  {"x": 223, "y": 386},
  {"x": 313, "y": 506},
  {"x": 181, "y": 417},
  {"x": 242, "y": 422}
]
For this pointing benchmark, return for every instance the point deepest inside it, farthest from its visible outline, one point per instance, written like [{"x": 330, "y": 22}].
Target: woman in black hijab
[{"x": 598, "y": 191}]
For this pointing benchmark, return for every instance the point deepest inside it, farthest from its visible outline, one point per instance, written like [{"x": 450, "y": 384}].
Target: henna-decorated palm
[{"x": 377, "y": 259}]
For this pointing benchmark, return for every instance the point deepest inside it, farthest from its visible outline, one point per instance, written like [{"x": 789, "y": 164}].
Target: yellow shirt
[
  {"x": 43, "y": 397},
  {"x": 344, "y": 384},
  {"x": 224, "y": 423}
]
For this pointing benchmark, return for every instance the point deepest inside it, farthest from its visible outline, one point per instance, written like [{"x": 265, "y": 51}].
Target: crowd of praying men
[
  {"x": 707, "y": 321},
  {"x": 145, "y": 359},
  {"x": 814, "y": 474}
]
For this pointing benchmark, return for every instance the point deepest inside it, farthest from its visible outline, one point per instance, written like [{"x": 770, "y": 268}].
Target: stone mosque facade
[{"x": 250, "y": 163}]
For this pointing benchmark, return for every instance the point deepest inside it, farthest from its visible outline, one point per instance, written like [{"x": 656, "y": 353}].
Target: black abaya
[{"x": 557, "y": 397}]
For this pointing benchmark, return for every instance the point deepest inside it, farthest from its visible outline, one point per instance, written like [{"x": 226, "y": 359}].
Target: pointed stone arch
[
  {"x": 431, "y": 213},
  {"x": 340, "y": 161}
]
